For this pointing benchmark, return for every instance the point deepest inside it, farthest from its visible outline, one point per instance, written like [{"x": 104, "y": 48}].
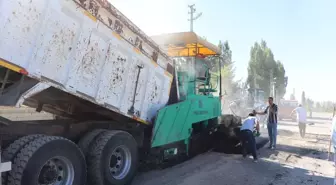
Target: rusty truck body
[{"x": 85, "y": 62}]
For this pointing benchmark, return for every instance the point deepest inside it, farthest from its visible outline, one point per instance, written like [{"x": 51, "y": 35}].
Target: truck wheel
[
  {"x": 112, "y": 159},
  {"x": 49, "y": 160},
  {"x": 13, "y": 149},
  {"x": 86, "y": 140}
]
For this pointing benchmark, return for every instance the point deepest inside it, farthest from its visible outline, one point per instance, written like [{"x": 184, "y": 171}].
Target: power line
[{"x": 192, "y": 18}]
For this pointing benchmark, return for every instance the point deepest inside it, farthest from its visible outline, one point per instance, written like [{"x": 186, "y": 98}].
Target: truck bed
[{"x": 88, "y": 49}]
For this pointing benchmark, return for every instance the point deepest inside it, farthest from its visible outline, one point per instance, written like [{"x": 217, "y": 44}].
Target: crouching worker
[{"x": 247, "y": 137}]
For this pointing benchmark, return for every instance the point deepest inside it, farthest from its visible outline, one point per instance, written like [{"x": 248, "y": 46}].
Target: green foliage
[
  {"x": 228, "y": 69},
  {"x": 292, "y": 97},
  {"x": 310, "y": 104},
  {"x": 263, "y": 68},
  {"x": 325, "y": 106}
]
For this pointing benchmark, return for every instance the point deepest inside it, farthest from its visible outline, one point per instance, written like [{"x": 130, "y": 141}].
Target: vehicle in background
[{"x": 285, "y": 109}]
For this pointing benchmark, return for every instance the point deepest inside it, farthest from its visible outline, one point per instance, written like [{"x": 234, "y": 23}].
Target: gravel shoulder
[{"x": 295, "y": 161}]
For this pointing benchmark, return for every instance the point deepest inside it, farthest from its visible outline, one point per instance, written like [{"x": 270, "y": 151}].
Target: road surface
[{"x": 295, "y": 161}]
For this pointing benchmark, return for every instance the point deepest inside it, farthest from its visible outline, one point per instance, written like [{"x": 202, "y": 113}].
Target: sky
[{"x": 301, "y": 33}]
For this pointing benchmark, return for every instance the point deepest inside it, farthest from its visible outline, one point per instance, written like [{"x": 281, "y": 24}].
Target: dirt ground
[{"x": 295, "y": 161}]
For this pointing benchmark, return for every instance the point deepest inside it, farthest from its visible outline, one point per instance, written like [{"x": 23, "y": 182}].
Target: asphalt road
[{"x": 295, "y": 161}]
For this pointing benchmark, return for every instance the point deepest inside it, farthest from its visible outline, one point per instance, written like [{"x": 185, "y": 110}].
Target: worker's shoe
[{"x": 255, "y": 160}]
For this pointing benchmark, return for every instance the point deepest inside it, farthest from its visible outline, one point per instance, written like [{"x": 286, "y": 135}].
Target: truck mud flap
[{"x": 155, "y": 158}]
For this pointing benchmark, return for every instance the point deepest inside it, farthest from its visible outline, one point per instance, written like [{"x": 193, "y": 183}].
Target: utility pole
[
  {"x": 255, "y": 78},
  {"x": 271, "y": 83},
  {"x": 192, "y": 18}
]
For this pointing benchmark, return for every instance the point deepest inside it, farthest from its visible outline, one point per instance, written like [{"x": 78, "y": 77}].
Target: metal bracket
[{"x": 132, "y": 110}]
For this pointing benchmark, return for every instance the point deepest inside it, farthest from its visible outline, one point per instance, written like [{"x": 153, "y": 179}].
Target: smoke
[{"x": 234, "y": 99}]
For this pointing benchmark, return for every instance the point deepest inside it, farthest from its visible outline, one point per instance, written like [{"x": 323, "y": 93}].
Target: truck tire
[
  {"x": 13, "y": 149},
  {"x": 112, "y": 159},
  {"x": 86, "y": 140},
  {"x": 48, "y": 160}
]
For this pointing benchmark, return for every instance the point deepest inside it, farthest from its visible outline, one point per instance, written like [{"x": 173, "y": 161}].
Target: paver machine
[{"x": 187, "y": 125}]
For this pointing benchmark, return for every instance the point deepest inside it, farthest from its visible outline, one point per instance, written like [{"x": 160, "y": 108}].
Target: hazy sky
[{"x": 301, "y": 33}]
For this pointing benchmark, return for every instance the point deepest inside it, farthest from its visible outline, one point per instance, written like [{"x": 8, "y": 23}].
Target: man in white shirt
[
  {"x": 247, "y": 137},
  {"x": 333, "y": 142},
  {"x": 301, "y": 119}
]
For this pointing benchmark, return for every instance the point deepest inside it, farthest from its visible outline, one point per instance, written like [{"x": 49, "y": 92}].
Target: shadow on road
[
  {"x": 294, "y": 124},
  {"x": 286, "y": 133},
  {"x": 311, "y": 150},
  {"x": 321, "y": 118},
  {"x": 295, "y": 151},
  {"x": 221, "y": 169}
]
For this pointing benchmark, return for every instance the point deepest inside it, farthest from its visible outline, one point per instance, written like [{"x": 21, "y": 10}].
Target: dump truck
[
  {"x": 286, "y": 108},
  {"x": 118, "y": 97}
]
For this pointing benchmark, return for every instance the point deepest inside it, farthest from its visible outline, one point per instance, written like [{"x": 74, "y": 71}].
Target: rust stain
[
  {"x": 170, "y": 84},
  {"x": 89, "y": 68},
  {"x": 137, "y": 50},
  {"x": 88, "y": 14},
  {"x": 58, "y": 47},
  {"x": 117, "y": 71},
  {"x": 154, "y": 63},
  {"x": 116, "y": 35},
  {"x": 154, "y": 91},
  {"x": 168, "y": 74},
  {"x": 105, "y": 12}
]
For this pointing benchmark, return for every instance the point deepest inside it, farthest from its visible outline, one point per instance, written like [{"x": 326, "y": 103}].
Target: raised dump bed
[{"x": 80, "y": 49}]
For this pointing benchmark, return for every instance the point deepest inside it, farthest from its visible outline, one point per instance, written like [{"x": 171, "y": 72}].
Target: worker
[
  {"x": 246, "y": 134},
  {"x": 272, "y": 121},
  {"x": 301, "y": 119},
  {"x": 333, "y": 143}
]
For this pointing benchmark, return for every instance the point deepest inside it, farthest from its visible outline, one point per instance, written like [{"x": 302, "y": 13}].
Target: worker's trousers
[
  {"x": 302, "y": 128},
  {"x": 248, "y": 143},
  {"x": 335, "y": 165},
  {"x": 272, "y": 133}
]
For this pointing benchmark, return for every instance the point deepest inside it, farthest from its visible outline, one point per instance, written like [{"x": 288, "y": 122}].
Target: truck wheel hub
[
  {"x": 56, "y": 171},
  {"x": 48, "y": 175},
  {"x": 120, "y": 162}
]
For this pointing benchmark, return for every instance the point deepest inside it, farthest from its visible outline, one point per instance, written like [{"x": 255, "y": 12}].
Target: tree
[
  {"x": 310, "y": 103},
  {"x": 292, "y": 97},
  {"x": 228, "y": 69},
  {"x": 303, "y": 99},
  {"x": 264, "y": 69}
]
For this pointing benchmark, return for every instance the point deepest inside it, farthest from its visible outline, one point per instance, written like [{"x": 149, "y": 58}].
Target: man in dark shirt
[{"x": 272, "y": 121}]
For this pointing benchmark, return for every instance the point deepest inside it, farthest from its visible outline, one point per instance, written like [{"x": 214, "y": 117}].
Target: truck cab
[{"x": 285, "y": 109}]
